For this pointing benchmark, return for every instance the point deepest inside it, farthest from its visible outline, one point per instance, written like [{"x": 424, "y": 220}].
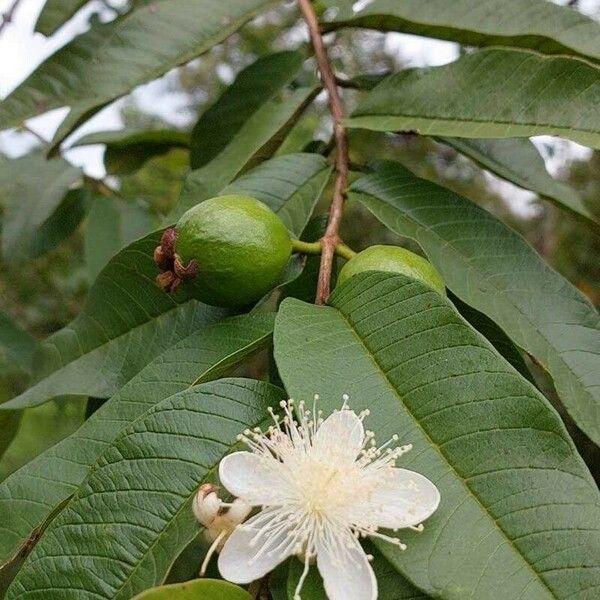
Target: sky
[{"x": 22, "y": 50}]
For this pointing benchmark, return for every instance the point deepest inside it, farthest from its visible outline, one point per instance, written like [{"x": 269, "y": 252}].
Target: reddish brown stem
[{"x": 331, "y": 237}]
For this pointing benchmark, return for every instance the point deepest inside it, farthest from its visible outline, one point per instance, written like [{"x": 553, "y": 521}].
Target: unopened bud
[{"x": 207, "y": 504}]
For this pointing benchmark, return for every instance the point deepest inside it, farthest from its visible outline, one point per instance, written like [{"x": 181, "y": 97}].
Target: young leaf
[
  {"x": 132, "y": 516},
  {"x": 493, "y": 269},
  {"x": 31, "y": 190},
  {"x": 518, "y": 161},
  {"x": 492, "y": 93},
  {"x": 534, "y": 24},
  {"x": 508, "y": 473},
  {"x": 197, "y": 589},
  {"x": 255, "y": 142},
  {"x": 110, "y": 60},
  {"x": 252, "y": 88},
  {"x": 126, "y": 321},
  {"x": 127, "y": 150},
  {"x": 26, "y": 505}
]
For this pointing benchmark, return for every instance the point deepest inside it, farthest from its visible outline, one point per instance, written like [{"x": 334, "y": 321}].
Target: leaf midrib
[{"x": 437, "y": 447}]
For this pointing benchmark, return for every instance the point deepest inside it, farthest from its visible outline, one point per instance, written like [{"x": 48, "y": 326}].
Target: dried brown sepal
[
  {"x": 167, "y": 242},
  {"x": 167, "y": 281},
  {"x": 162, "y": 260},
  {"x": 185, "y": 272}
]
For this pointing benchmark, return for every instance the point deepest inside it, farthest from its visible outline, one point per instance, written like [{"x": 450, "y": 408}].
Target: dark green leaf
[
  {"x": 127, "y": 151},
  {"x": 255, "y": 142},
  {"x": 112, "y": 224},
  {"x": 492, "y": 93},
  {"x": 205, "y": 355},
  {"x": 519, "y": 511},
  {"x": 126, "y": 321},
  {"x": 518, "y": 161},
  {"x": 112, "y": 59},
  {"x": 31, "y": 190},
  {"x": 535, "y": 24},
  {"x": 493, "y": 269},
  {"x": 132, "y": 516},
  {"x": 199, "y": 589},
  {"x": 56, "y": 13},
  {"x": 252, "y": 88}
]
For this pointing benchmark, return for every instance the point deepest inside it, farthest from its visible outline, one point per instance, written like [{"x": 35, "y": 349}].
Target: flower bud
[{"x": 207, "y": 504}]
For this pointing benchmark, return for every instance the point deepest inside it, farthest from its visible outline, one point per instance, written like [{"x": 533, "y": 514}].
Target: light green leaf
[
  {"x": 252, "y": 88},
  {"x": 31, "y": 190},
  {"x": 111, "y": 225},
  {"x": 255, "y": 142},
  {"x": 112, "y": 59},
  {"x": 518, "y": 161},
  {"x": 519, "y": 511},
  {"x": 207, "y": 354},
  {"x": 17, "y": 346},
  {"x": 492, "y": 93},
  {"x": 128, "y": 150},
  {"x": 534, "y": 24},
  {"x": 126, "y": 321},
  {"x": 132, "y": 516},
  {"x": 56, "y": 13},
  {"x": 493, "y": 269},
  {"x": 198, "y": 589},
  {"x": 290, "y": 185},
  {"x": 39, "y": 429}
]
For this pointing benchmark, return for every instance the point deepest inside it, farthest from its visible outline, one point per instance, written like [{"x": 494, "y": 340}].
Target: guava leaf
[
  {"x": 491, "y": 93},
  {"x": 112, "y": 59},
  {"x": 258, "y": 139},
  {"x": 518, "y": 161},
  {"x": 290, "y": 185},
  {"x": 56, "y": 13},
  {"x": 534, "y": 24},
  {"x": 132, "y": 516},
  {"x": 128, "y": 150},
  {"x": 17, "y": 346},
  {"x": 508, "y": 473},
  {"x": 111, "y": 225},
  {"x": 32, "y": 189},
  {"x": 197, "y": 589},
  {"x": 254, "y": 86},
  {"x": 25, "y": 505},
  {"x": 490, "y": 267}
]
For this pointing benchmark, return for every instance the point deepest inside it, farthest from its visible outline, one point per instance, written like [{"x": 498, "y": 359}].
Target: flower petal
[
  {"x": 342, "y": 431},
  {"x": 248, "y": 555},
  {"x": 404, "y": 498},
  {"x": 251, "y": 477},
  {"x": 346, "y": 572}
]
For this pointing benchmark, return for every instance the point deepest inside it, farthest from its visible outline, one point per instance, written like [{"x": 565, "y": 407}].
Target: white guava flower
[{"x": 321, "y": 485}]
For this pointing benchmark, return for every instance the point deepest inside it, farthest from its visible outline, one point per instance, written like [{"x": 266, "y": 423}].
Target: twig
[
  {"x": 7, "y": 17},
  {"x": 331, "y": 237}
]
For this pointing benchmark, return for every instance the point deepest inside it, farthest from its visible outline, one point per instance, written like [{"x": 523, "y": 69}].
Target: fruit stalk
[{"x": 331, "y": 238}]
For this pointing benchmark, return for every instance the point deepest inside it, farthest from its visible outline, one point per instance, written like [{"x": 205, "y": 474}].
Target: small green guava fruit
[
  {"x": 236, "y": 246},
  {"x": 393, "y": 259}
]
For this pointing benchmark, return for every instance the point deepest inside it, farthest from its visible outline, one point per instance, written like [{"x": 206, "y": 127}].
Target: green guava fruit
[
  {"x": 393, "y": 259},
  {"x": 239, "y": 245}
]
